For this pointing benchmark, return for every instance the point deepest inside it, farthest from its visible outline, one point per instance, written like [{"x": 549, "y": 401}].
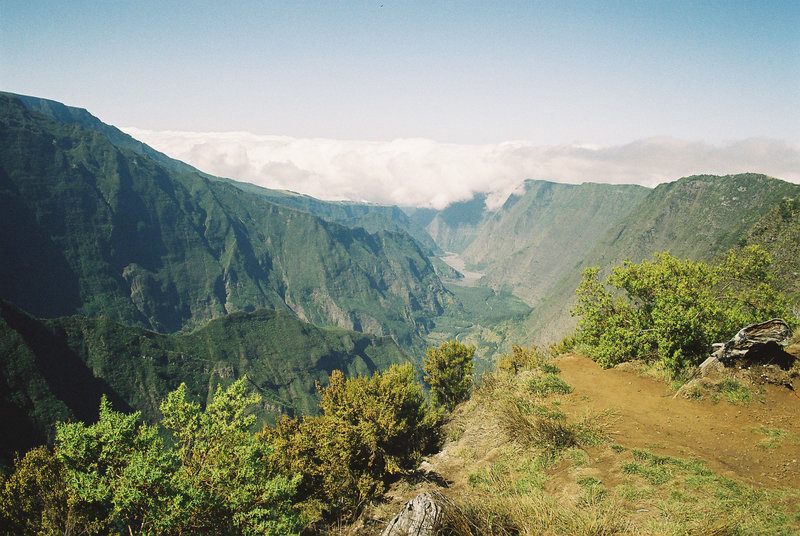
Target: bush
[
  {"x": 448, "y": 370},
  {"x": 370, "y": 429},
  {"x": 672, "y": 310},
  {"x": 209, "y": 477}
]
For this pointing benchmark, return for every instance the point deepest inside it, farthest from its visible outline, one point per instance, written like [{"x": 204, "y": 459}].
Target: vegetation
[
  {"x": 209, "y": 475},
  {"x": 448, "y": 371},
  {"x": 57, "y": 370},
  {"x": 529, "y": 462},
  {"x": 778, "y": 232},
  {"x": 180, "y": 443},
  {"x": 370, "y": 429},
  {"x": 145, "y": 244},
  {"x": 671, "y": 310},
  {"x": 203, "y": 471}
]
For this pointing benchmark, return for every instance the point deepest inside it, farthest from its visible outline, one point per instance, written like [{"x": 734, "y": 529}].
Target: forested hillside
[
  {"x": 56, "y": 370},
  {"x": 126, "y": 237}
]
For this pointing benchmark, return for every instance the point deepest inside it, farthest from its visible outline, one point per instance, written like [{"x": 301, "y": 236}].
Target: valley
[
  {"x": 469, "y": 279},
  {"x": 127, "y": 275}
]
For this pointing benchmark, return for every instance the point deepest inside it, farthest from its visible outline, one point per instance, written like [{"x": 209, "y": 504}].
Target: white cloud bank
[{"x": 420, "y": 172}]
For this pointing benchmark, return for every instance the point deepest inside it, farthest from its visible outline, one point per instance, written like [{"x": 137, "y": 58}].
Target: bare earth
[
  {"x": 729, "y": 438},
  {"x": 726, "y": 436}
]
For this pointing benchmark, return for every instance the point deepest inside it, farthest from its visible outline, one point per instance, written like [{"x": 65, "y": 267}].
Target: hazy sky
[{"x": 460, "y": 72}]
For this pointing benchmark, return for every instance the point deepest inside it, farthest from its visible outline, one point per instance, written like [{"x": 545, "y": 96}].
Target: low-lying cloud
[{"x": 421, "y": 172}]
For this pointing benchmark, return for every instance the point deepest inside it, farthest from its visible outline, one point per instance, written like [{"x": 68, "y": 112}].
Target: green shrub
[
  {"x": 448, "y": 372},
  {"x": 209, "y": 477},
  {"x": 671, "y": 310},
  {"x": 370, "y": 429}
]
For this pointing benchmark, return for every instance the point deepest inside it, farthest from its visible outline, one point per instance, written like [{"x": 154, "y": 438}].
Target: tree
[
  {"x": 223, "y": 482},
  {"x": 119, "y": 467},
  {"x": 34, "y": 499},
  {"x": 370, "y": 428},
  {"x": 211, "y": 476},
  {"x": 670, "y": 309},
  {"x": 448, "y": 370}
]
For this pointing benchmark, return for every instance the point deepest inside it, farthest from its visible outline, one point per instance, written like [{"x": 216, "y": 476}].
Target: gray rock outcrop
[
  {"x": 753, "y": 337},
  {"x": 417, "y": 518}
]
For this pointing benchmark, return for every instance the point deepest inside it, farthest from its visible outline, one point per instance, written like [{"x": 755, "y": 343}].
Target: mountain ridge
[{"x": 146, "y": 245}]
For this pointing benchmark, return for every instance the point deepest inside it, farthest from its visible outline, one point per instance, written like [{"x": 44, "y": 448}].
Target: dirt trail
[{"x": 726, "y": 436}]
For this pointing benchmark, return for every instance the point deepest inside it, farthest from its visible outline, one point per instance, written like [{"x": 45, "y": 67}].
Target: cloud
[{"x": 421, "y": 172}]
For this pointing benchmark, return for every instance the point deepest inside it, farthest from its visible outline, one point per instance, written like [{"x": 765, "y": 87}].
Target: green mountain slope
[
  {"x": 526, "y": 245},
  {"x": 698, "y": 217},
  {"x": 56, "y": 370},
  {"x": 94, "y": 229},
  {"x": 778, "y": 232},
  {"x": 79, "y": 116},
  {"x": 372, "y": 217},
  {"x": 454, "y": 227}
]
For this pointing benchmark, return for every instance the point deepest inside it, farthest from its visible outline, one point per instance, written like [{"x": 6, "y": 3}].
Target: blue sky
[{"x": 460, "y": 72}]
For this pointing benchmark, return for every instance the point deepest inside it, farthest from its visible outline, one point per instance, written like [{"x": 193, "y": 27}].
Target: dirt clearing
[{"x": 757, "y": 443}]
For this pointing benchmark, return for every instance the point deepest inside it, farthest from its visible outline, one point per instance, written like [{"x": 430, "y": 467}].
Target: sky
[{"x": 391, "y": 101}]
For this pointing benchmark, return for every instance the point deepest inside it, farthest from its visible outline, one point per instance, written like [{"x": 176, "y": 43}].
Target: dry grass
[{"x": 520, "y": 463}]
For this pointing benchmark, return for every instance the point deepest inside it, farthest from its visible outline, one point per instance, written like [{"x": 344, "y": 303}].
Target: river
[{"x": 456, "y": 262}]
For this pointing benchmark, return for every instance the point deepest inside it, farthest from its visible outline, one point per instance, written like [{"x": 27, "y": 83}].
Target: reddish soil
[{"x": 726, "y": 436}]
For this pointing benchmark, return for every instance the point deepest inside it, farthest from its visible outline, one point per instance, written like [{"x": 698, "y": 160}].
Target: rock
[
  {"x": 710, "y": 365},
  {"x": 417, "y": 518},
  {"x": 758, "y": 345},
  {"x": 773, "y": 332}
]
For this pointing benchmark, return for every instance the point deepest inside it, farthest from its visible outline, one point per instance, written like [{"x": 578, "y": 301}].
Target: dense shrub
[
  {"x": 448, "y": 370},
  {"x": 203, "y": 472},
  {"x": 370, "y": 429},
  {"x": 670, "y": 309}
]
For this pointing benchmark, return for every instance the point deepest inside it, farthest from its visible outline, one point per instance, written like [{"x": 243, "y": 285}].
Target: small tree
[
  {"x": 211, "y": 477},
  {"x": 34, "y": 499},
  {"x": 117, "y": 466},
  {"x": 370, "y": 428},
  {"x": 223, "y": 482},
  {"x": 670, "y": 309},
  {"x": 448, "y": 370}
]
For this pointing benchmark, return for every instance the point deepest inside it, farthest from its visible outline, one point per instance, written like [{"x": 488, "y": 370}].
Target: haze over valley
[{"x": 269, "y": 269}]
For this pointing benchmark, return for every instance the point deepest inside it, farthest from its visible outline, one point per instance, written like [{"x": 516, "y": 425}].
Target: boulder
[
  {"x": 758, "y": 345},
  {"x": 753, "y": 338},
  {"x": 417, "y": 518}
]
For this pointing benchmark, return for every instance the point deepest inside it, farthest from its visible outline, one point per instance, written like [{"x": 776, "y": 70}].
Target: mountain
[
  {"x": 371, "y": 216},
  {"x": 537, "y": 244},
  {"x": 455, "y": 226},
  {"x": 699, "y": 217},
  {"x": 526, "y": 245},
  {"x": 778, "y": 232},
  {"x": 56, "y": 370},
  {"x": 95, "y": 229}
]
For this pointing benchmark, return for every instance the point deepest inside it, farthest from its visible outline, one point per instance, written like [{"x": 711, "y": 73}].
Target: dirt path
[{"x": 726, "y": 436}]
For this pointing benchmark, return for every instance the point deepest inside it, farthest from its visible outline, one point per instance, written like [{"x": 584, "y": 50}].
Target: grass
[
  {"x": 728, "y": 389},
  {"x": 734, "y": 392},
  {"x": 534, "y": 469},
  {"x": 546, "y": 384},
  {"x": 774, "y": 437}
]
